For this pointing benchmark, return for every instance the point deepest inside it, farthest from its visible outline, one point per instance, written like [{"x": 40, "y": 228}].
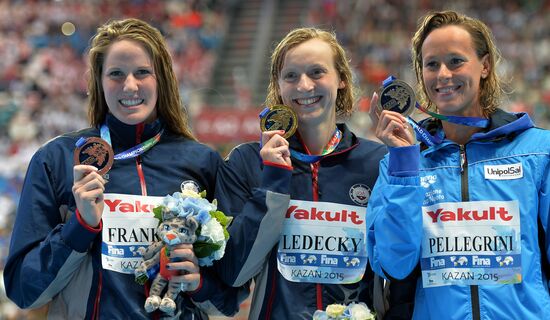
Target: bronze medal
[
  {"x": 95, "y": 152},
  {"x": 397, "y": 96},
  {"x": 280, "y": 117}
]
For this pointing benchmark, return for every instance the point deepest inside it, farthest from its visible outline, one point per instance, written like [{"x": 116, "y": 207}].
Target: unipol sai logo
[{"x": 504, "y": 172}]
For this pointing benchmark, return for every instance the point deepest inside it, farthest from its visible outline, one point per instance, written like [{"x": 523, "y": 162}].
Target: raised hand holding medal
[
  {"x": 391, "y": 127},
  {"x": 89, "y": 185},
  {"x": 96, "y": 152},
  {"x": 279, "y": 117},
  {"x": 278, "y": 123},
  {"x": 396, "y": 95}
]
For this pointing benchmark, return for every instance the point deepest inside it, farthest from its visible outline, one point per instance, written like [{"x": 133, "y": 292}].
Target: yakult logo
[
  {"x": 322, "y": 215},
  {"x": 461, "y": 214},
  {"x": 504, "y": 172},
  {"x": 131, "y": 206}
]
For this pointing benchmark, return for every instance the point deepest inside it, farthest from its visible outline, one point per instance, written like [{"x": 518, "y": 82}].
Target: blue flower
[{"x": 203, "y": 217}]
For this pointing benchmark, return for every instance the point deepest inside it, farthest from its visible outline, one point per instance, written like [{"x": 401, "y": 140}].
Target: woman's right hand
[
  {"x": 88, "y": 188},
  {"x": 275, "y": 148},
  {"x": 392, "y": 128}
]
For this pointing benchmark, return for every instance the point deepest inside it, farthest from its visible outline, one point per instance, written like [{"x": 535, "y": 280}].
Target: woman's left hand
[
  {"x": 186, "y": 263},
  {"x": 392, "y": 128}
]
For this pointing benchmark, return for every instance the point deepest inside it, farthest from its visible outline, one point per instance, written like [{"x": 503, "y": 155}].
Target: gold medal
[
  {"x": 397, "y": 96},
  {"x": 279, "y": 117},
  {"x": 95, "y": 152}
]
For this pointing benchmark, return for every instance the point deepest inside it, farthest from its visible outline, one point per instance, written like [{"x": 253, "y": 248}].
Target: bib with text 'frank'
[{"x": 128, "y": 224}]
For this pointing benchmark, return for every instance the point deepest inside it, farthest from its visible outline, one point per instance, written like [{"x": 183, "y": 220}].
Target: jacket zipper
[
  {"x": 95, "y": 314},
  {"x": 474, "y": 289},
  {"x": 315, "y": 193},
  {"x": 139, "y": 132}
]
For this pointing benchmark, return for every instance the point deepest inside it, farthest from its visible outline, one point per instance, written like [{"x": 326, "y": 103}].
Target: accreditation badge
[
  {"x": 397, "y": 96},
  {"x": 279, "y": 117},
  {"x": 471, "y": 243},
  {"x": 95, "y": 152},
  {"x": 323, "y": 242},
  {"x": 128, "y": 224}
]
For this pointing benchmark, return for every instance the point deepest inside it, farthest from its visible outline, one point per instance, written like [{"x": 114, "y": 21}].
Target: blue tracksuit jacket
[
  {"x": 508, "y": 163},
  {"x": 258, "y": 197},
  {"x": 54, "y": 259}
]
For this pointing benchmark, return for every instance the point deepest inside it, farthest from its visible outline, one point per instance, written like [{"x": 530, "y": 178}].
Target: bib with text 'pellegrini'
[{"x": 471, "y": 243}]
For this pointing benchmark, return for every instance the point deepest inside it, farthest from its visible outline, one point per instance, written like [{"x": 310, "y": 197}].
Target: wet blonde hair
[
  {"x": 169, "y": 104},
  {"x": 490, "y": 88},
  {"x": 346, "y": 96}
]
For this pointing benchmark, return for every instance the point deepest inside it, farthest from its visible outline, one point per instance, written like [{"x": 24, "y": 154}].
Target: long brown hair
[
  {"x": 169, "y": 104},
  {"x": 490, "y": 88}
]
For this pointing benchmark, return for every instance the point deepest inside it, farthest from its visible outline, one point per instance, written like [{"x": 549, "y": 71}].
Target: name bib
[
  {"x": 128, "y": 224},
  {"x": 471, "y": 243},
  {"x": 323, "y": 242}
]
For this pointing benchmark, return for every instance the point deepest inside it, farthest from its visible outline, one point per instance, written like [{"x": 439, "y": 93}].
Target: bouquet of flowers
[
  {"x": 185, "y": 217},
  {"x": 211, "y": 233},
  {"x": 353, "y": 311}
]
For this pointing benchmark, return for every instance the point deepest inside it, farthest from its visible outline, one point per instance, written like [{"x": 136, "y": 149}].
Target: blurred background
[{"x": 221, "y": 54}]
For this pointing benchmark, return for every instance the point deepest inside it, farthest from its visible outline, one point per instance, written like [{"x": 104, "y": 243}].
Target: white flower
[
  {"x": 212, "y": 231},
  {"x": 188, "y": 193},
  {"x": 360, "y": 311},
  {"x": 335, "y": 310},
  {"x": 353, "y": 311}
]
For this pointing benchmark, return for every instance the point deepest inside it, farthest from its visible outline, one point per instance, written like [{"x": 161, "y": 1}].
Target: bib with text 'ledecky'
[{"x": 323, "y": 242}]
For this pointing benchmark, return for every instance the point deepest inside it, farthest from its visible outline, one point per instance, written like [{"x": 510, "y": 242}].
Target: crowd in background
[
  {"x": 378, "y": 35},
  {"x": 43, "y": 81}
]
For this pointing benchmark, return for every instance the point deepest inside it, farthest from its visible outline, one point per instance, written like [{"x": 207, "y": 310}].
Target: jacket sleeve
[
  {"x": 257, "y": 199},
  {"x": 394, "y": 215},
  {"x": 46, "y": 249},
  {"x": 215, "y": 297},
  {"x": 544, "y": 218}
]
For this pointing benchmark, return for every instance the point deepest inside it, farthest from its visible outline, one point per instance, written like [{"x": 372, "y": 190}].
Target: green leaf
[
  {"x": 221, "y": 217},
  {"x": 204, "y": 249},
  {"x": 158, "y": 212}
]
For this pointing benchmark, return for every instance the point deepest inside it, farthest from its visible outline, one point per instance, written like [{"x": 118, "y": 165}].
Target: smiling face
[
  {"x": 309, "y": 82},
  {"x": 129, "y": 83},
  {"x": 452, "y": 71}
]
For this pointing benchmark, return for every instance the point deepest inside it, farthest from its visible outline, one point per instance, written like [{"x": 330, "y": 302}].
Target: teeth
[
  {"x": 308, "y": 100},
  {"x": 445, "y": 90},
  {"x": 131, "y": 102}
]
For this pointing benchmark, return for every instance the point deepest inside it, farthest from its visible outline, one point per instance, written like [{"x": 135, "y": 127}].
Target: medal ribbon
[
  {"x": 135, "y": 150},
  {"x": 424, "y": 136},
  {"x": 130, "y": 153},
  {"x": 329, "y": 148}
]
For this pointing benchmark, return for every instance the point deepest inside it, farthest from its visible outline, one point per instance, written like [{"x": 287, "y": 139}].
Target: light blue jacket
[{"x": 407, "y": 180}]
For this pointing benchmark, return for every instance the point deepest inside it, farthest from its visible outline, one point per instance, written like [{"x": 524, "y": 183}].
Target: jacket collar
[
  {"x": 349, "y": 140},
  {"x": 502, "y": 125},
  {"x": 125, "y": 136}
]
